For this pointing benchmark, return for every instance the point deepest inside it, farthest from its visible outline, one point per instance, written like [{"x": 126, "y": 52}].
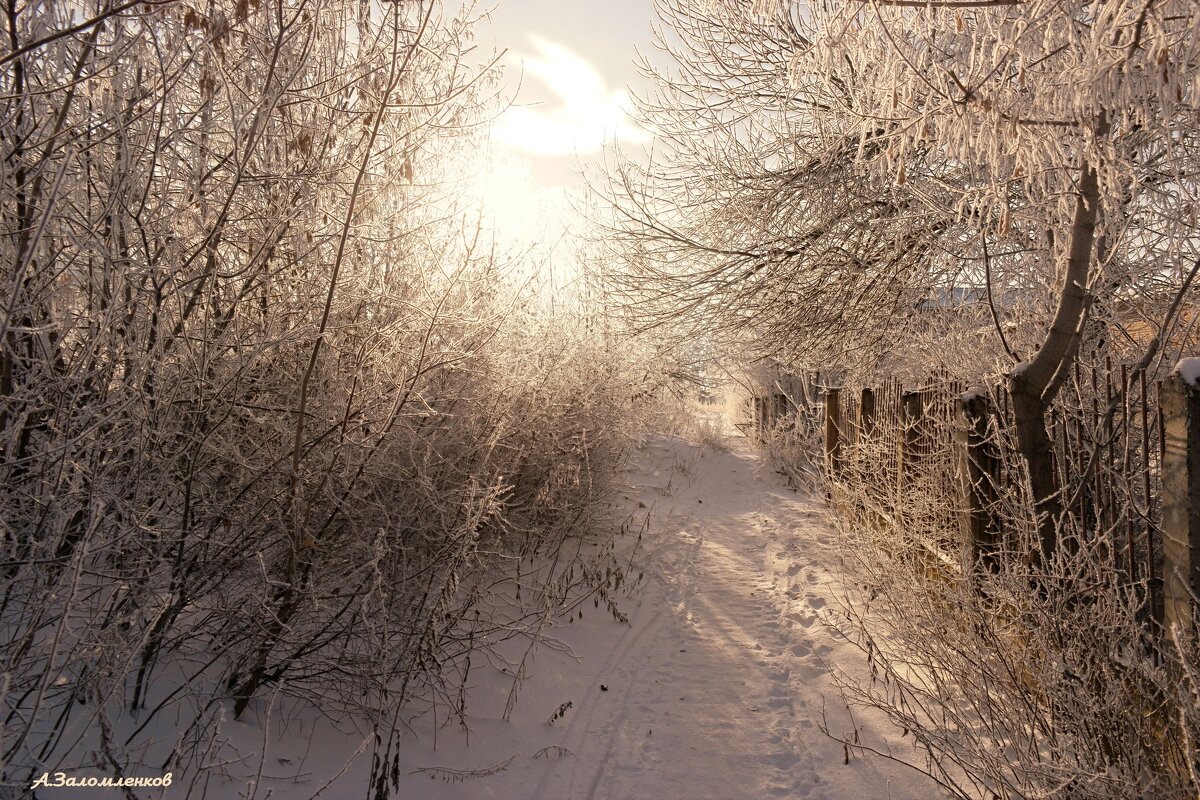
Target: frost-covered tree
[
  {"x": 264, "y": 385},
  {"x": 826, "y": 166}
]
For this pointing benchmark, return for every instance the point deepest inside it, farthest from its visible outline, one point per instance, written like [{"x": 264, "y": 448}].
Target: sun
[
  {"x": 565, "y": 109},
  {"x": 513, "y": 204}
]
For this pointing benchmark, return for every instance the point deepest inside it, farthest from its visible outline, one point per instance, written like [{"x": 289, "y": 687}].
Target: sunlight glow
[
  {"x": 588, "y": 115},
  {"x": 514, "y": 204}
]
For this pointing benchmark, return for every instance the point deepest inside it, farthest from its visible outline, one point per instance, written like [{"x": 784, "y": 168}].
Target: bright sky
[
  {"x": 583, "y": 113},
  {"x": 569, "y": 65},
  {"x": 573, "y": 63}
]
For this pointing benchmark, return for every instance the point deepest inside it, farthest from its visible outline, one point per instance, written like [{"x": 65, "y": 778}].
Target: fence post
[
  {"x": 978, "y": 465},
  {"x": 866, "y": 414},
  {"x": 833, "y": 437},
  {"x": 911, "y": 410},
  {"x": 1180, "y": 401}
]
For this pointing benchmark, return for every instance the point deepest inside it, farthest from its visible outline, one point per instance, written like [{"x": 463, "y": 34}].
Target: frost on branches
[
  {"x": 831, "y": 172},
  {"x": 1000, "y": 192},
  {"x": 266, "y": 383}
]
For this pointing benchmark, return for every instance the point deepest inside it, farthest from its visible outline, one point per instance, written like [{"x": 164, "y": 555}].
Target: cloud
[{"x": 585, "y": 116}]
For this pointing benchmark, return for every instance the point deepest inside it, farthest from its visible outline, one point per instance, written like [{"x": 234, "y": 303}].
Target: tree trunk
[
  {"x": 1035, "y": 383},
  {"x": 1033, "y": 441}
]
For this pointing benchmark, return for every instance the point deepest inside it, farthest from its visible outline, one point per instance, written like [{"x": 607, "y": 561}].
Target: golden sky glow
[{"x": 514, "y": 203}]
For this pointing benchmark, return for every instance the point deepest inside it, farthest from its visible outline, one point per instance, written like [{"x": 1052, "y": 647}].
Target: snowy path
[{"x": 716, "y": 687}]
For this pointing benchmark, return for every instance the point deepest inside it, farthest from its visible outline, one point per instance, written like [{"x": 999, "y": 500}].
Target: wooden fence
[
  {"x": 1127, "y": 453},
  {"x": 782, "y": 402}
]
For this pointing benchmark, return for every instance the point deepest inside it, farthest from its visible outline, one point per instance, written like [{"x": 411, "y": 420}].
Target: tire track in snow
[
  {"x": 667, "y": 568},
  {"x": 724, "y": 688}
]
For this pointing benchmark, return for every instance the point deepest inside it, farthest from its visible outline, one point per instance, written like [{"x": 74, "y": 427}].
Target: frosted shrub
[
  {"x": 794, "y": 446},
  {"x": 1014, "y": 681},
  {"x": 273, "y": 424}
]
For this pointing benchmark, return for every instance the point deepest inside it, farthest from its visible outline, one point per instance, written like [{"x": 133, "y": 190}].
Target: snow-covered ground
[{"x": 717, "y": 686}]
